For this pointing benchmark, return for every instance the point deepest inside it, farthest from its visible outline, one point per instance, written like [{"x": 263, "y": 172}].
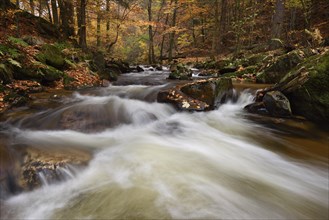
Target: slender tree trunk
[
  {"x": 17, "y": 3},
  {"x": 40, "y": 8},
  {"x": 49, "y": 12},
  {"x": 215, "y": 31},
  {"x": 203, "y": 31},
  {"x": 278, "y": 19},
  {"x": 82, "y": 25},
  {"x": 222, "y": 22},
  {"x": 98, "y": 25},
  {"x": 32, "y": 7},
  {"x": 172, "y": 34},
  {"x": 67, "y": 17},
  {"x": 54, "y": 12},
  {"x": 151, "y": 45},
  {"x": 107, "y": 20},
  {"x": 163, "y": 38}
]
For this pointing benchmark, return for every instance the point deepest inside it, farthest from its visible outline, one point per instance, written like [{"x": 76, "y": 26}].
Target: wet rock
[
  {"x": 181, "y": 101},
  {"x": 40, "y": 167},
  {"x": 257, "y": 108},
  {"x": 157, "y": 67},
  {"x": 139, "y": 69},
  {"x": 198, "y": 96},
  {"x": 229, "y": 69},
  {"x": 214, "y": 91},
  {"x": 277, "y": 104},
  {"x": 118, "y": 64},
  {"x": 179, "y": 71}
]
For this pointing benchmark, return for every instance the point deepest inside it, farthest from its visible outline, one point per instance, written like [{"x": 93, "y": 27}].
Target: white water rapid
[{"x": 157, "y": 163}]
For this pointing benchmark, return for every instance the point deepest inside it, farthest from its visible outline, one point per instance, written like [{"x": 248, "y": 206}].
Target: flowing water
[{"x": 151, "y": 161}]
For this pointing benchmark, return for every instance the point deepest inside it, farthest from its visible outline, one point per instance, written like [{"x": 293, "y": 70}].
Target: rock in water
[
  {"x": 214, "y": 91},
  {"x": 198, "y": 96},
  {"x": 277, "y": 104}
]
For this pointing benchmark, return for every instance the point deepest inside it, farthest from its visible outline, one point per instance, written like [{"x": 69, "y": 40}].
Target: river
[{"x": 150, "y": 161}]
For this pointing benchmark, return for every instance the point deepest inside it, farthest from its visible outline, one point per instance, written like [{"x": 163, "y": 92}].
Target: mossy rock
[
  {"x": 49, "y": 74},
  {"x": 312, "y": 99},
  {"x": 51, "y": 56},
  {"x": 247, "y": 70},
  {"x": 39, "y": 72},
  {"x": 179, "y": 71},
  {"x": 108, "y": 74},
  {"x": 280, "y": 67},
  {"x": 256, "y": 59}
]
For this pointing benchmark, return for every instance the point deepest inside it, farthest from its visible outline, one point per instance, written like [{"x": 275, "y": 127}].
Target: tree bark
[
  {"x": 107, "y": 20},
  {"x": 32, "y": 7},
  {"x": 151, "y": 45},
  {"x": 98, "y": 24},
  {"x": 49, "y": 12},
  {"x": 215, "y": 31},
  {"x": 54, "y": 12},
  {"x": 66, "y": 16},
  {"x": 82, "y": 24},
  {"x": 172, "y": 34},
  {"x": 278, "y": 19}
]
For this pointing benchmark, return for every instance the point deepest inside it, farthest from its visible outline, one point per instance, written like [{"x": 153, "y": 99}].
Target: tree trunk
[
  {"x": 163, "y": 37},
  {"x": 98, "y": 25},
  {"x": 66, "y": 15},
  {"x": 107, "y": 20},
  {"x": 32, "y": 7},
  {"x": 278, "y": 19},
  {"x": 54, "y": 12},
  {"x": 222, "y": 22},
  {"x": 40, "y": 8},
  {"x": 82, "y": 25},
  {"x": 172, "y": 34},
  {"x": 17, "y": 3},
  {"x": 49, "y": 12},
  {"x": 215, "y": 31},
  {"x": 151, "y": 45}
]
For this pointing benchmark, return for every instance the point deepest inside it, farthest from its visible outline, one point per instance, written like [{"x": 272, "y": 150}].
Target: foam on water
[{"x": 174, "y": 165}]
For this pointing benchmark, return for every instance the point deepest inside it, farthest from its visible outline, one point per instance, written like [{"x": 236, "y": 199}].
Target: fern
[
  {"x": 14, "y": 62},
  {"x": 18, "y": 41}
]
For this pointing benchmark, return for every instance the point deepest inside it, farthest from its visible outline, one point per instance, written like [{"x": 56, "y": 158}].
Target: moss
[
  {"x": 49, "y": 74},
  {"x": 247, "y": 70},
  {"x": 280, "y": 67},
  {"x": 52, "y": 56},
  {"x": 312, "y": 99}
]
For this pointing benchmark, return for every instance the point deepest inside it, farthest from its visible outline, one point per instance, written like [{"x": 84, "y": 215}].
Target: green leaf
[{"x": 14, "y": 62}]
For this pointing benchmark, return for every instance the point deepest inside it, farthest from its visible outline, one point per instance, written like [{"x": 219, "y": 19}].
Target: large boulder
[
  {"x": 275, "y": 71},
  {"x": 51, "y": 56},
  {"x": 213, "y": 91},
  {"x": 198, "y": 96},
  {"x": 311, "y": 100},
  {"x": 277, "y": 104}
]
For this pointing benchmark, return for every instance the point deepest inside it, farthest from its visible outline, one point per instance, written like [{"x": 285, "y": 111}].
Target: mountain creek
[{"x": 118, "y": 153}]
